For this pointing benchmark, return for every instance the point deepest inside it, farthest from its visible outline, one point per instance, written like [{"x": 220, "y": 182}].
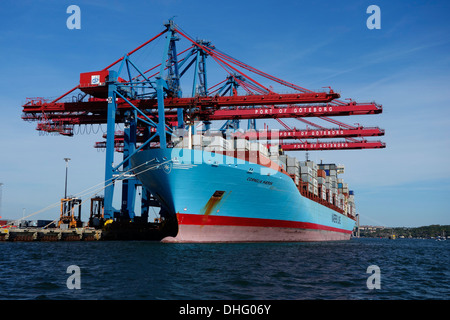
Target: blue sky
[{"x": 404, "y": 66}]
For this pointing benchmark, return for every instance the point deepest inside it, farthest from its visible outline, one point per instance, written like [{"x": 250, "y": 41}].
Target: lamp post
[
  {"x": 67, "y": 167},
  {"x": 1, "y": 186}
]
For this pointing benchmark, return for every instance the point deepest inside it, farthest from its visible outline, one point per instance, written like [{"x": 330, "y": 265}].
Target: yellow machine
[{"x": 68, "y": 208}]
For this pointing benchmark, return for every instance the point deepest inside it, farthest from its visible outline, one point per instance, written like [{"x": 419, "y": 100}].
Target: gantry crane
[{"x": 150, "y": 104}]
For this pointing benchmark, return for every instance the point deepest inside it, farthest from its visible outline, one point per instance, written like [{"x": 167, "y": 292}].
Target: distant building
[{"x": 371, "y": 228}]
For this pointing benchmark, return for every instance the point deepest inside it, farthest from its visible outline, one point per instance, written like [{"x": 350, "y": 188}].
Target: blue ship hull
[{"x": 220, "y": 198}]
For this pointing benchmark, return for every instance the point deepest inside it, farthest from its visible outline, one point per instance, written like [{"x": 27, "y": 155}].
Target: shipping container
[
  {"x": 321, "y": 173},
  {"x": 220, "y": 142},
  {"x": 321, "y": 180},
  {"x": 274, "y": 158},
  {"x": 263, "y": 150},
  {"x": 197, "y": 140},
  {"x": 314, "y": 180},
  {"x": 293, "y": 170},
  {"x": 254, "y": 146},
  {"x": 307, "y": 178},
  {"x": 292, "y": 162},
  {"x": 306, "y": 170},
  {"x": 274, "y": 150},
  {"x": 241, "y": 144}
]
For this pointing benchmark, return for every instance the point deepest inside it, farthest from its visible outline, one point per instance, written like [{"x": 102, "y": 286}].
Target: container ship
[{"x": 234, "y": 190}]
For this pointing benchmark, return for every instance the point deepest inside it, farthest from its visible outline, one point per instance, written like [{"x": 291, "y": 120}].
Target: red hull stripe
[{"x": 197, "y": 219}]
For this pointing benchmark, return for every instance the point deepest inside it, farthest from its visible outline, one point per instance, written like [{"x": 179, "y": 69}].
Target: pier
[{"x": 53, "y": 234}]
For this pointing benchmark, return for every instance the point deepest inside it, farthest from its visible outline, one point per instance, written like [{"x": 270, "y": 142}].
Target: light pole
[
  {"x": 1, "y": 186},
  {"x": 67, "y": 167}
]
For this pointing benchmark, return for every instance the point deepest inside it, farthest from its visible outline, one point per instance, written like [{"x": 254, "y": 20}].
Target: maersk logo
[
  {"x": 336, "y": 219},
  {"x": 95, "y": 79}
]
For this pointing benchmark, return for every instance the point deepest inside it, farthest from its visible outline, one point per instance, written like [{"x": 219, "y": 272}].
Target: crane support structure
[
  {"x": 333, "y": 145},
  {"x": 311, "y": 133},
  {"x": 150, "y": 102}
]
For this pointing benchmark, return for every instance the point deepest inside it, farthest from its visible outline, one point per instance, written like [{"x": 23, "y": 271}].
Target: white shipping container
[
  {"x": 207, "y": 140},
  {"x": 274, "y": 149},
  {"x": 220, "y": 142},
  {"x": 315, "y": 182},
  {"x": 316, "y": 191},
  {"x": 254, "y": 146},
  {"x": 197, "y": 140},
  {"x": 310, "y": 164},
  {"x": 215, "y": 148},
  {"x": 217, "y": 141},
  {"x": 310, "y": 188},
  {"x": 307, "y": 178},
  {"x": 241, "y": 144},
  {"x": 293, "y": 170},
  {"x": 274, "y": 158},
  {"x": 306, "y": 170},
  {"x": 263, "y": 150},
  {"x": 185, "y": 143},
  {"x": 177, "y": 142},
  {"x": 280, "y": 163},
  {"x": 292, "y": 162}
]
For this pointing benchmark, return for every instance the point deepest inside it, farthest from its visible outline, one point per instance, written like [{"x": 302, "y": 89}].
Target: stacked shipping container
[{"x": 320, "y": 180}]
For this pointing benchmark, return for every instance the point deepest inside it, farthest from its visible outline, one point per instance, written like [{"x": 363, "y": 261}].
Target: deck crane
[{"x": 150, "y": 104}]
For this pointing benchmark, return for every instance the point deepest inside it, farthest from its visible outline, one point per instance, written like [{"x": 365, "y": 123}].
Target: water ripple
[{"x": 410, "y": 269}]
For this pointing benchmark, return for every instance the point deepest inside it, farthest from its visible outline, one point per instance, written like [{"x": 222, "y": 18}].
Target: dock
[{"x": 53, "y": 234}]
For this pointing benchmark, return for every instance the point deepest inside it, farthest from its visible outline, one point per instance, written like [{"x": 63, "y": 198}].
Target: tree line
[{"x": 432, "y": 231}]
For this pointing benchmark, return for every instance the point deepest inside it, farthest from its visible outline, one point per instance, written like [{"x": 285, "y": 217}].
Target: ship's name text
[{"x": 260, "y": 181}]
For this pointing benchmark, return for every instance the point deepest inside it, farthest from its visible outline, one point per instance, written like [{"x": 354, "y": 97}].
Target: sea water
[{"x": 410, "y": 269}]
